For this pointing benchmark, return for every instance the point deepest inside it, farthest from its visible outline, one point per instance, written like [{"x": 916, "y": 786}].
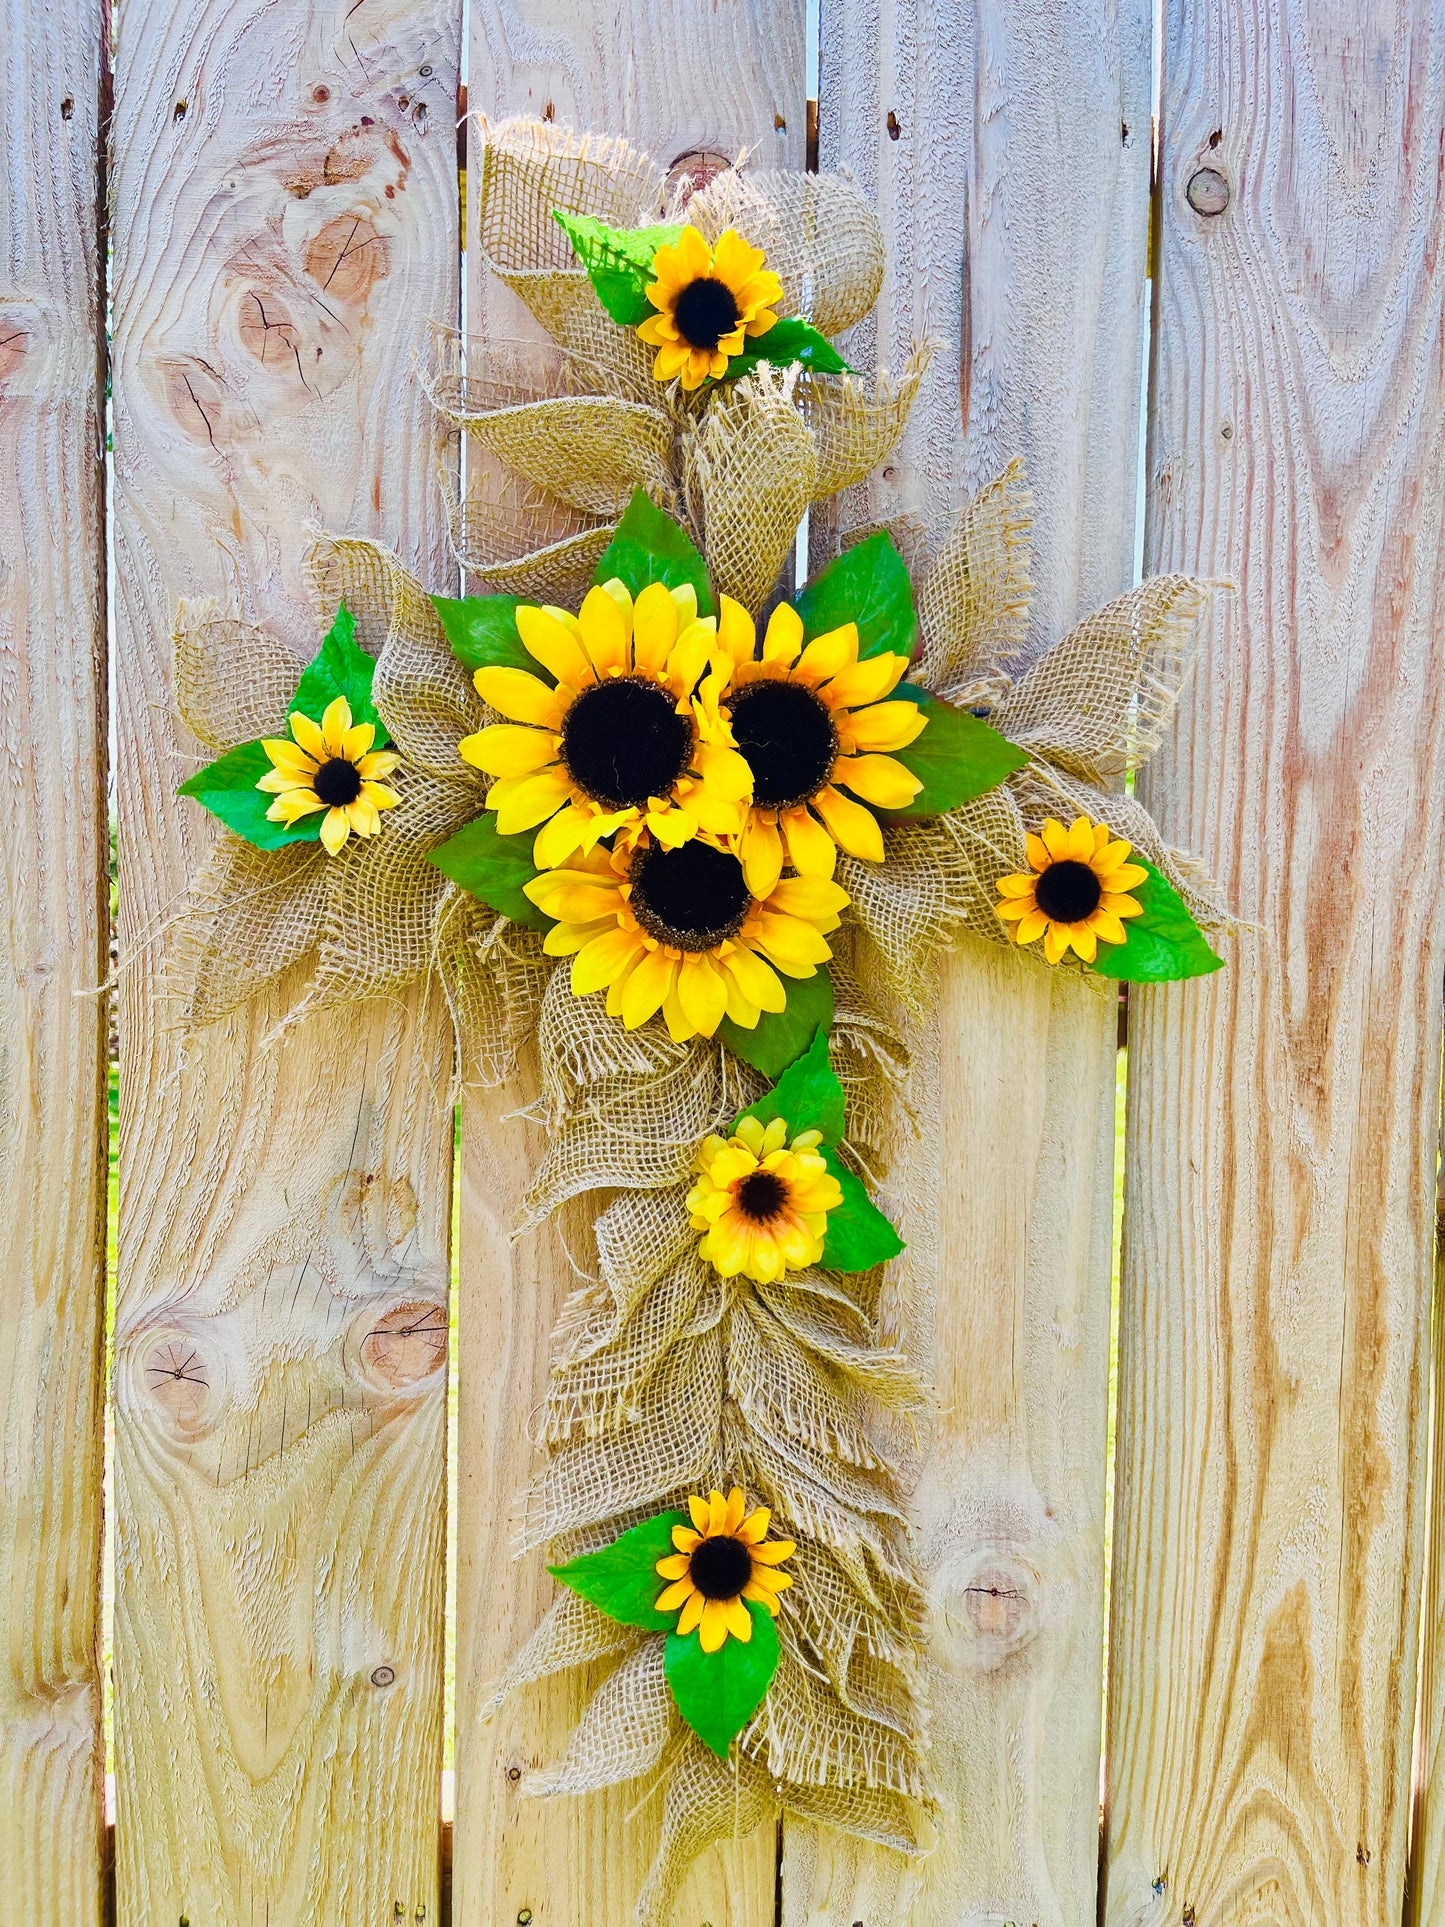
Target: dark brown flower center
[
  {"x": 787, "y": 738},
  {"x": 705, "y": 311},
  {"x": 1068, "y": 891},
  {"x": 624, "y": 741},
  {"x": 337, "y": 782},
  {"x": 692, "y": 897},
  {"x": 761, "y": 1196},
  {"x": 720, "y": 1567}
]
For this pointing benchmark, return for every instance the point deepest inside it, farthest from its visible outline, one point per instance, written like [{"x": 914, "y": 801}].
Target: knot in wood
[
  {"x": 382, "y": 1675},
  {"x": 407, "y": 1343},
  {"x": 692, "y": 171},
  {"x": 1207, "y": 192},
  {"x": 990, "y": 1607},
  {"x": 181, "y": 1383}
]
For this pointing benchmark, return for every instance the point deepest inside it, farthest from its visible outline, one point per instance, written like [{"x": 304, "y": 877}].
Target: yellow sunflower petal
[
  {"x": 276, "y": 782},
  {"x": 658, "y": 331},
  {"x": 753, "y": 1529},
  {"x": 520, "y": 697},
  {"x": 379, "y": 796},
  {"x": 702, "y": 992},
  {"x": 601, "y": 958},
  {"x": 757, "y": 980},
  {"x": 713, "y": 1626},
  {"x": 650, "y": 981},
  {"x": 561, "y": 836},
  {"x": 734, "y": 261},
  {"x": 772, "y": 1552},
  {"x": 737, "y": 1507},
  {"x": 357, "y": 740},
  {"x": 691, "y": 1613},
  {"x": 1081, "y": 839},
  {"x": 604, "y": 632},
  {"x": 1055, "y": 839},
  {"x": 884, "y": 726},
  {"x": 509, "y": 749},
  {"x": 738, "y": 1619},
  {"x": 855, "y": 830},
  {"x": 1084, "y": 941},
  {"x": 878, "y": 779},
  {"x": 1056, "y": 942},
  {"x": 736, "y": 632},
  {"x": 1106, "y": 926},
  {"x": 784, "y": 634},
  {"x": 289, "y": 755},
  {"x": 335, "y": 722},
  {"x": 810, "y": 848},
  {"x": 794, "y": 947},
  {"x": 673, "y": 1566},
  {"x": 818, "y": 899},
  {"x": 334, "y": 830},
  {"x": 754, "y": 1590},
  {"x": 554, "y": 645},
  {"x": 1038, "y": 851},
  {"x": 1016, "y": 908},
  {"x": 309, "y": 737},
  {"x": 1020, "y": 884},
  {"x": 826, "y": 655},
  {"x": 760, "y": 852},
  {"x": 1128, "y": 876},
  {"x": 684, "y": 1539},
  {"x": 671, "y": 359},
  {"x": 1032, "y": 927},
  {"x": 531, "y": 800},
  {"x": 295, "y": 804},
  {"x": 864, "y": 682},
  {"x": 381, "y": 762},
  {"x": 654, "y": 628},
  {"x": 700, "y": 1511},
  {"x": 1121, "y": 906},
  {"x": 675, "y": 1595},
  {"x": 697, "y": 366}
]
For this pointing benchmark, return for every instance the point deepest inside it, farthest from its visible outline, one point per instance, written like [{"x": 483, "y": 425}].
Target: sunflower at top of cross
[{"x": 709, "y": 302}]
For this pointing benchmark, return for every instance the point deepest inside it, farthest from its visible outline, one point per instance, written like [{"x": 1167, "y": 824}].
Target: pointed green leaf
[
  {"x": 779, "y": 1037},
  {"x": 341, "y": 667},
  {"x": 492, "y": 868},
  {"x": 482, "y": 631},
  {"x": 867, "y": 584},
  {"x": 958, "y": 757},
  {"x": 808, "y": 1096},
  {"x": 718, "y": 1693},
  {"x": 1161, "y": 946},
  {"x": 859, "y": 1235},
  {"x": 618, "y": 262},
  {"x": 227, "y": 788},
  {"x": 650, "y": 547},
  {"x": 789, "y": 340},
  {"x": 621, "y": 1579}
]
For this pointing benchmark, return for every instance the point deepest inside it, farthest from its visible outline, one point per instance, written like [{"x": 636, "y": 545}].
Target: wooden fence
[{"x": 275, "y": 186}]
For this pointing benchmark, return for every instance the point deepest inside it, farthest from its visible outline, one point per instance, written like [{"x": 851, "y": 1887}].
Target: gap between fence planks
[
  {"x": 1283, "y": 1115},
  {"x": 1007, "y": 149},
  {"x": 285, "y": 220},
  {"x": 52, "y": 1019},
  {"x": 692, "y": 84}
]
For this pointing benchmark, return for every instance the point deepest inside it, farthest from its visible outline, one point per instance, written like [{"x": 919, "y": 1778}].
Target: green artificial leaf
[
  {"x": 789, "y": 339},
  {"x": 808, "y": 1096},
  {"x": 958, "y": 757},
  {"x": 618, "y": 261},
  {"x": 621, "y": 1579},
  {"x": 780, "y": 1037},
  {"x": 867, "y": 584},
  {"x": 482, "y": 631},
  {"x": 227, "y": 788},
  {"x": 340, "y": 667},
  {"x": 1162, "y": 945},
  {"x": 493, "y": 868},
  {"x": 859, "y": 1235},
  {"x": 650, "y": 547},
  {"x": 718, "y": 1693}
]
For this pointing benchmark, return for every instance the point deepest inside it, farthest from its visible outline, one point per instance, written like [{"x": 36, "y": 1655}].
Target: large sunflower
[
  {"x": 709, "y": 301},
  {"x": 330, "y": 766},
  {"x": 617, "y": 742},
  {"x": 761, "y": 1202},
  {"x": 813, "y": 724},
  {"x": 727, "y": 1560},
  {"x": 677, "y": 930},
  {"x": 1075, "y": 891}
]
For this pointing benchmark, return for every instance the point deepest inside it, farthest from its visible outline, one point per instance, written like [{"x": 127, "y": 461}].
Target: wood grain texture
[
  {"x": 682, "y": 78},
  {"x": 1425, "y": 1878},
  {"x": 1006, "y": 147},
  {"x": 1283, "y": 1116},
  {"x": 285, "y": 216},
  {"x": 56, "y": 914}
]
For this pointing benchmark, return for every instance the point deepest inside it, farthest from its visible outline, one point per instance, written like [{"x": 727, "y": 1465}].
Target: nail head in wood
[
  {"x": 383, "y": 1675},
  {"x": 1207, "y": 192}
]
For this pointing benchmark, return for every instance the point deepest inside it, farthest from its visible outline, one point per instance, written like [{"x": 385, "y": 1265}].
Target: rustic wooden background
[{"x": 271, "y": 199}]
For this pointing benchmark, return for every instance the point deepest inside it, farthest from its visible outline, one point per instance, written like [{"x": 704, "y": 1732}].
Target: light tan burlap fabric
[{"x": 561, "y": 441}]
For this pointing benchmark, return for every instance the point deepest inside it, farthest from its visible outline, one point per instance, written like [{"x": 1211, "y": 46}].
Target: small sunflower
[
  {"x": 761, "y": 1201},
  {"x": 1075, "y": 891},
  {"x": 330, "y": 766},
  {"x": 618, "y": 744},
  {"x": 709, "y": 300},
  {"x": 812, "y": 723},
  {"x": 678, "y": 930},
  {"x": 717, "y": 1568}
]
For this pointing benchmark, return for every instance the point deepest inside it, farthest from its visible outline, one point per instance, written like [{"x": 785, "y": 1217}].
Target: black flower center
[
  {"x": 337, "y": 782},
  {"x": 692, "y": 897},
  {"x": 720, "y": 1567},
  {"x": 1068, "y": 892},
  {"x": 624, "y": 741},
  {"x": 787, "y": 738},
  {"x": 761, "y": 1196},
  {"x": 705, "y": 311}
]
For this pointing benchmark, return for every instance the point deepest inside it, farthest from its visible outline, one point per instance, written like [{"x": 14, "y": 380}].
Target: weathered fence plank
[
  {"x": 683, "y": 79},
  {"x": 52, "y": 1024},
  {"x": 974, "y": 131},
  {"x": 1271, "y": 1474},
  {"x": 286, "y": 217}
]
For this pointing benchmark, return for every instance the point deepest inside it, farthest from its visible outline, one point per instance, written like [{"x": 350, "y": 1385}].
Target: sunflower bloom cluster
[
  {"x": 607, "y": 736},
  {"x": 761, "y": 1202},
  {"x": 1076, "y": 890},
  {"x": 709, "y": 302},
  {"x": 329, "y": 766},
  {"x": 678, "y": 931},
  {"x": 815, "y": 725},
  {"x": 721, "y": 1562}
]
